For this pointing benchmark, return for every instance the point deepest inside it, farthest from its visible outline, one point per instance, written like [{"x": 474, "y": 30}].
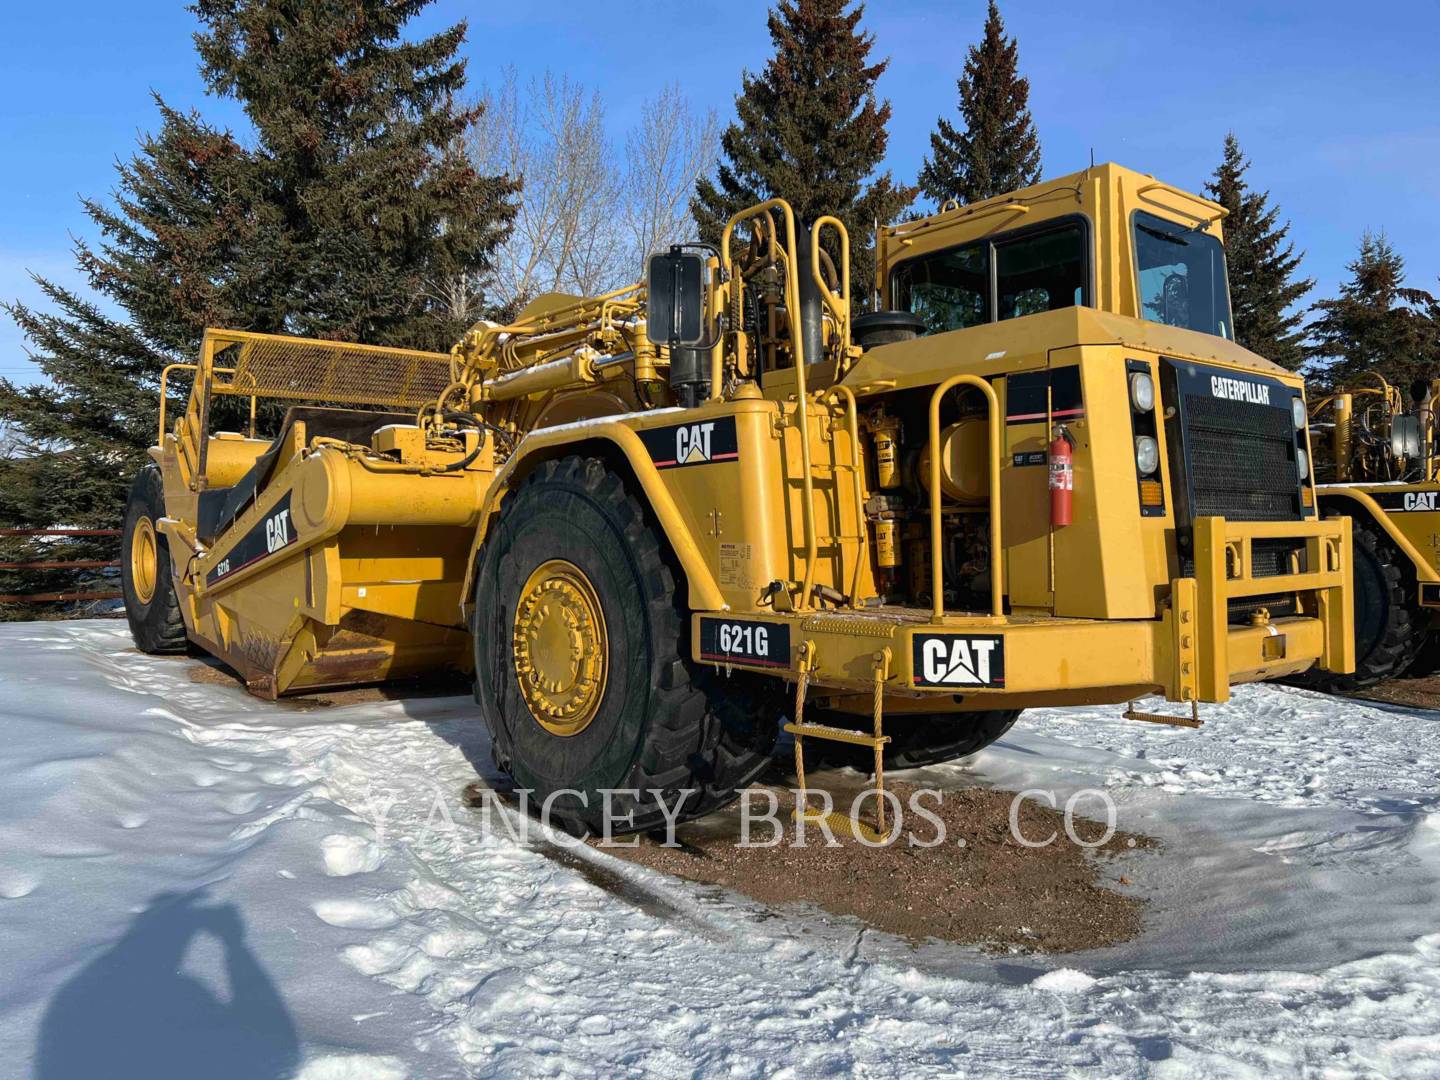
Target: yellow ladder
[{"x": 877, "y": 740}]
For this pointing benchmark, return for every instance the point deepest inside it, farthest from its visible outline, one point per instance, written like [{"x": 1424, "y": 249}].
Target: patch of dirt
[
  {"x": 980, "y": 886},
  {"x": 1415, "y": 693},
  {"x": 211, "y": 673}
]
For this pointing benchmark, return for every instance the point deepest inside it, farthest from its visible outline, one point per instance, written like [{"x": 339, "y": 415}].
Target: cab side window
[
  {"x": 995, "y": 279},
  {"x": 1040, "y": 273},
  {"x": 949, "y": 290}
]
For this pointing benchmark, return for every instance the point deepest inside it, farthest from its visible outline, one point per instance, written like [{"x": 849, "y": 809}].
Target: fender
[
  {"x": 1367, "y": 507},
  {"x": 704, "y": 593}
]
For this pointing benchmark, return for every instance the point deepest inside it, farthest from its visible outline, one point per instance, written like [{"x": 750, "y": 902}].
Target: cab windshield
[{"x": 1182, "y": 276}]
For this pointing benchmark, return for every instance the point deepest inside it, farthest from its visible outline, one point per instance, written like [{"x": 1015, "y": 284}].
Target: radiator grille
[
  {"x": 1271, "y": 558},
  {"x": 1280, "y": 606},
  {"x": 1268, "y": 558},
  {"x": 1242, "y": 464}
]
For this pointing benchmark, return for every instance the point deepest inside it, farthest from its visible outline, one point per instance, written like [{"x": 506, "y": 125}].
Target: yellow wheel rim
[
  {"x": 144, "y": 565},
  {"x": 560, "y": 649}
]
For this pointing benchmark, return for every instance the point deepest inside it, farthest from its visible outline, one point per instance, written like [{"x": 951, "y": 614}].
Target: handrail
[
  {"x": 840, "y": 308},
  {"x": 797, "y": 347},
  {"x": 1143, "y": 192},
  {"x": 937, "y": 567},
  {"x": 164, "y": 377},
  {"x": 906, "y": 233},
  {"x": 862, "y": 553},
  {"x": 839, "y": 305},
  {"x": 792, "y": 286}
]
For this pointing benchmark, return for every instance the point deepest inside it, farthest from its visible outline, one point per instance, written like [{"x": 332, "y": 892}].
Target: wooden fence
[{"x": 59, "y": 564}]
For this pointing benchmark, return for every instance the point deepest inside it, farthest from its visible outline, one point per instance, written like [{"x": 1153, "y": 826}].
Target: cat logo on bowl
[
  {"x": 959, "y": 660},
  {"x": 277, "y": 530},
  {"x": 274, "y": 532}
]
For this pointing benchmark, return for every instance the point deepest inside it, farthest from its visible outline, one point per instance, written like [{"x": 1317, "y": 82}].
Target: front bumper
[{"x": 1190, "y": 653}]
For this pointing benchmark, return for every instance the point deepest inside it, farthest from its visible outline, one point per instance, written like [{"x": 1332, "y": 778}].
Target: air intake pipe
[
  {"x": 690, "y": 375},
  {"x": 809, "y": 326}
]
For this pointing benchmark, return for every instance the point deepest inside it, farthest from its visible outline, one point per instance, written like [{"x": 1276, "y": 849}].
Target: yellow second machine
[
  {"x": 658, "y": 523},
  {"x": 1377, "y": 463}
]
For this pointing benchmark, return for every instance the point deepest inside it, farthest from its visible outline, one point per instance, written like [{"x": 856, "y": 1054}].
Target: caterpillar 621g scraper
[{"x": 657, "y": 524}]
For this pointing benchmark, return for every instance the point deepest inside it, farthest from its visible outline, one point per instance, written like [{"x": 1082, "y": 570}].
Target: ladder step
[
  {"x": 841, "y": 825},
  {"x": 836, "y": 734}
]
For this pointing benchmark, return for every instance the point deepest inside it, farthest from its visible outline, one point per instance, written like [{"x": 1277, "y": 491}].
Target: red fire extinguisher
[{"x": 1062, "y": 479}]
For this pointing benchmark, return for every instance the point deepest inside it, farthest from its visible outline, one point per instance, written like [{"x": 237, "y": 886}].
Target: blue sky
[{"x": 1335, "y": 102}]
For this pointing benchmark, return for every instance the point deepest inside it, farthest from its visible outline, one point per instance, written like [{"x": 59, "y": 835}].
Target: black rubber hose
[{"x": 476, "y": 423}]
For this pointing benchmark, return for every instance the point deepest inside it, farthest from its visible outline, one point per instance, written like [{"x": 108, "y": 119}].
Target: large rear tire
[
  {"x": 146, "y": 578},
  {"x": 1389, "y": 621},
  {"x": 582, "y": 664},
  {"x": 916, "y": 739},
  {"x": 1427, "y": 658}
]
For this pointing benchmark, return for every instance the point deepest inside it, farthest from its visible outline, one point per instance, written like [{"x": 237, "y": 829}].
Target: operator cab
[{"x": 1056, "y": 245}]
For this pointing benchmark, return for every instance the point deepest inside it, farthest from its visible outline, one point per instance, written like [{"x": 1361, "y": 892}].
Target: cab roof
[{"x": 1132, "y": 186}]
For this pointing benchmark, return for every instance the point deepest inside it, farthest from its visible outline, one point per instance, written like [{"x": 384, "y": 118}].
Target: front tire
[
  {"x": 152, "y": 606},
  {"x": 582, "y": 662},
  {"x": 1389, "y": 622},
  {"x": 1427, "y": 658}
]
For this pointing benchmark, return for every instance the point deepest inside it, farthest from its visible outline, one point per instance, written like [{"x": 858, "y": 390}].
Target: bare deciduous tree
[
  {"x": 669, "y": 150},
  {"x": 585, "y": 224},
  {"x": 551, "y": 136},
  {"x": 464, "y": 296}
]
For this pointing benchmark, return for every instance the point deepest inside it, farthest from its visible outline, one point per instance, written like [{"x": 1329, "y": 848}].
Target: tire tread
[
  {"x": 1404, "y": 635},
  {"x": 158, "y": 628},
  {"x": 687, "y": 743}
]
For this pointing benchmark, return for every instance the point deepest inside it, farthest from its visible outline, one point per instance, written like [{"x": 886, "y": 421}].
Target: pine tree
[
  {"x": 996, "y": 149},
  {"x": 350, "y": 203},
  {"x": 1376, "y": 324},
  {"x": 1262, "y": 265},
  {"x": 362, "y": 139},
  {"x": 184, "y": 204},
  {"x": 810, "y": 130},
  {"x": 1430, "y": 331}
]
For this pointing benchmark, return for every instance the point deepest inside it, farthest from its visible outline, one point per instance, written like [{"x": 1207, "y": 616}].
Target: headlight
[
  {"x": 1297, "y": 411},
  {"x": 1302, "y": 463},
  {"x": 1147, "y": 454},
  {"x": 1142, "y": 391}
]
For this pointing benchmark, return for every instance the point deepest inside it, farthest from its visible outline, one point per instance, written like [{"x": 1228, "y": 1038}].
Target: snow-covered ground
[{"x": 194, "y": 883}]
